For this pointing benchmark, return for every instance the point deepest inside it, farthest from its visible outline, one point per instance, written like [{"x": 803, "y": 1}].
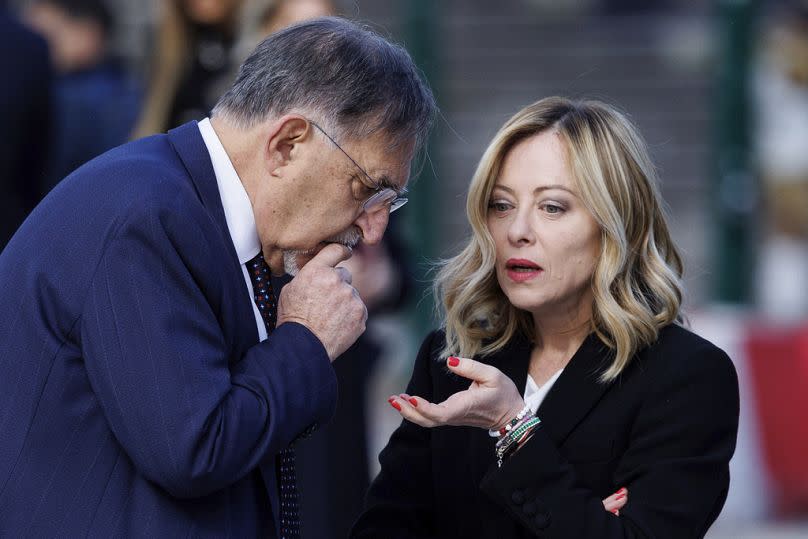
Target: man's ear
[{"x": 283, "y": 137}]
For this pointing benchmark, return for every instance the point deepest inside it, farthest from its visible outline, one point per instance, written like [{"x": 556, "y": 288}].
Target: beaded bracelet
[
  {"x": 510, "y": 443},
  {"x": 510, "y": 424}
]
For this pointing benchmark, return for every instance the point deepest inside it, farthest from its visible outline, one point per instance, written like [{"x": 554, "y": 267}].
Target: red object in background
[{"x": 778, "y": 360}]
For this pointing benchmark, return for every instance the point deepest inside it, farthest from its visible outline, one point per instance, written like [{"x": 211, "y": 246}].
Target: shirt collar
[{"x": 238, "y": 210}]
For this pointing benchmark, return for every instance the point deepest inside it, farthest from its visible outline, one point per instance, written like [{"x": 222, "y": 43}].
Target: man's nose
[{"x": 373, "y": 224}]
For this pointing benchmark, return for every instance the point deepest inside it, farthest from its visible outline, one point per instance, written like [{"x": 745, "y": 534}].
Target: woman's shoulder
[
  {"x": 675, "y": 338},
  {"x": 679, "y": 352}
]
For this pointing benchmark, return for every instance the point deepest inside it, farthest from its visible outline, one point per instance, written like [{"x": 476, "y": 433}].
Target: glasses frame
[{"x": 383, "y": 195}]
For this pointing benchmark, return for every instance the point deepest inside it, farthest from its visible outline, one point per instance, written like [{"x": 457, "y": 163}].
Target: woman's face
[{"x": 547, "y": 242}]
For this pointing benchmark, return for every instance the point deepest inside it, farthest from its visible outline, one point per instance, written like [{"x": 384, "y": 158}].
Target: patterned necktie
[{"x": 265, "y": 300}]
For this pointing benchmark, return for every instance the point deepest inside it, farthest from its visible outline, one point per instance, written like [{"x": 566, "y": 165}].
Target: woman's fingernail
[
  {"x": 453, "y": 361},
  {"x": 616, "y": 512},
  {"x": 395, "y": 405},
  {"x": 414, "y": 401}
]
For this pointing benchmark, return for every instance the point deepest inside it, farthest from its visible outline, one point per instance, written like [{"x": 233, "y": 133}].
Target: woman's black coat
[{"x": 665, "y": 429}]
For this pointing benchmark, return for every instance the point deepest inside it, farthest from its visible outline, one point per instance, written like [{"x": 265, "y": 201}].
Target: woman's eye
[
  {"x": 499, "y": 206},
  {"x": 552, "y": 208}
]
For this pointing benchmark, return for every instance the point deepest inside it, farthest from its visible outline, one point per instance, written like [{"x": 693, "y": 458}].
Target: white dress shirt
[
  {"x": 534, "y": 395},
  {"x": 238, "y": 211}
]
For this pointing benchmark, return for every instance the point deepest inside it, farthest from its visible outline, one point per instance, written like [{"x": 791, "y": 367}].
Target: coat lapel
[
  {"x": 191, "y": 149},
  {"x": 576, "y": 391},
  {"x": 190, "y": 146}
]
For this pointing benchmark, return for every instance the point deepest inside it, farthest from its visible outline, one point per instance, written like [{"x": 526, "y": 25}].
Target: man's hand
[{"x": 321, "y": 298}]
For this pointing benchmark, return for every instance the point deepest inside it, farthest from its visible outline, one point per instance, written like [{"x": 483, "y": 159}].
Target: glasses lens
[
  {"x": 397, "y": 203},
  {"x": 385, "y": 196}
]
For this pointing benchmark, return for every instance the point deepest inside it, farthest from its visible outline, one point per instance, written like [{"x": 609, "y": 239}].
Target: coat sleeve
[
  {"x": 193, "y": 418},
  {"x": 676, "y": 466},
  {"x": 400, "y": 502}
]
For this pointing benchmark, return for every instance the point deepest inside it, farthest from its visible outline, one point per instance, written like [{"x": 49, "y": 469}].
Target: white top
[
  {"x": 534, "y": 395},
  {"x": 238, "y": 211}
]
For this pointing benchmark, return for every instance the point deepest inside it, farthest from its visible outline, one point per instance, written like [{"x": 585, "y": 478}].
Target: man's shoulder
[{"x": 138, "y": 168}]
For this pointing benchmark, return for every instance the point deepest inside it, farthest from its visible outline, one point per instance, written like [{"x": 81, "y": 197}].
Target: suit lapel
[
  {"x": 191, "y": 149},
  {"x": 576, "y": 391},
  {"x": 189, "y": 145}
]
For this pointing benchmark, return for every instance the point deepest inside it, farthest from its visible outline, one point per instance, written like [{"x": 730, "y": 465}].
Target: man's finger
[
  {"x": 331, "y": 255},
  {"x": 473, "y": 370}
]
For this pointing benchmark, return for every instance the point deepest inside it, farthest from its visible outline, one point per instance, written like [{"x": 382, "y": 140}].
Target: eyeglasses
[{"x": 383, "y": 195}]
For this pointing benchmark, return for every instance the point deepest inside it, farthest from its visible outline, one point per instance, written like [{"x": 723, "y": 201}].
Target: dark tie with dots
[{"x": 265, "y": 300}]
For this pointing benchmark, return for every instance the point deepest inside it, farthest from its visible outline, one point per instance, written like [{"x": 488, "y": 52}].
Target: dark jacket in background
[
  {"x": 25, "y": 116},
  {"x": 94, "y": 109}
]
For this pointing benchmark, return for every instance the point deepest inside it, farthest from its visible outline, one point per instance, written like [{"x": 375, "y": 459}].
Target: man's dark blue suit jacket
[{"x": 135, "y": 398}]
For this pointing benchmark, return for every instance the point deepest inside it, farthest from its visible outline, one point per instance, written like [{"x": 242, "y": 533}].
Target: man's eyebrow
[{"x": 385, "y": 182}]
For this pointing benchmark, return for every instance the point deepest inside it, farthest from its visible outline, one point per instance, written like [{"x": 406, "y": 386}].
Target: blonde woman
[{"x": 583, "y": 381}]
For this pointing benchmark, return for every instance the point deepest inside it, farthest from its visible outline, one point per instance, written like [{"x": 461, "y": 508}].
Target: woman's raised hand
[{"x": 490, "y": 401}]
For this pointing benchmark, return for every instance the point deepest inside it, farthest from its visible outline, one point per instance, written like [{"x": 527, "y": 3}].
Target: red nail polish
[
  {"x": 414, "y": 401},
  {"x": 453, "y": 361},
  {"x": 395, "y": 405},
  {"x": 616, "y": 512}
]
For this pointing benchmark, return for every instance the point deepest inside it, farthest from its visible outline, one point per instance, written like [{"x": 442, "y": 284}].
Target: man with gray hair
[{"x": 153, "y": 377}]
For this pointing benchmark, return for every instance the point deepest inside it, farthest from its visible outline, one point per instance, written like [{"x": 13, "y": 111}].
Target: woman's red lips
[
  {"x": 514, "y": 263},
  {"x": 520, "y": 270}
]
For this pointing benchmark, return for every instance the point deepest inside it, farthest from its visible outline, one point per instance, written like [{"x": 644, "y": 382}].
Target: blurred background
[{"x": 719, "y": 88}]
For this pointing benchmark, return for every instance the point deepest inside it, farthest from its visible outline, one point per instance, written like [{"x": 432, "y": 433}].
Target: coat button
[
  {"x": 542, "y": 520},
  {"x": 518, "y": 497},
  {"x": 529, "y": 509}
]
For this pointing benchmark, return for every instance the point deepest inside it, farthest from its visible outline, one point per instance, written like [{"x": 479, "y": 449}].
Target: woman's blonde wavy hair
[{"x": 637, "y": 282}]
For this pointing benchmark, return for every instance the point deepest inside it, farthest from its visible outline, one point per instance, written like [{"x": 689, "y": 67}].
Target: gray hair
[{"x": 356, "y": 82}]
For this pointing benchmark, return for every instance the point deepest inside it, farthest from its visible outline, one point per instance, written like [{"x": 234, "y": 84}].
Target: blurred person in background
[
  {"x": 781, "y": 99},
  {"x": 199, "y": 45},
  {"x": 583, "y": 383},
  {"x": 156, "y": 383},
  {"x": 96, "y": 101},
  {"x": 25, "y": 121}
]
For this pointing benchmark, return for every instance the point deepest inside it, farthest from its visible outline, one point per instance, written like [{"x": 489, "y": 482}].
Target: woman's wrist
[
  {"x": 513, "y": 440},
  {"x": 517, "y": 414}
]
